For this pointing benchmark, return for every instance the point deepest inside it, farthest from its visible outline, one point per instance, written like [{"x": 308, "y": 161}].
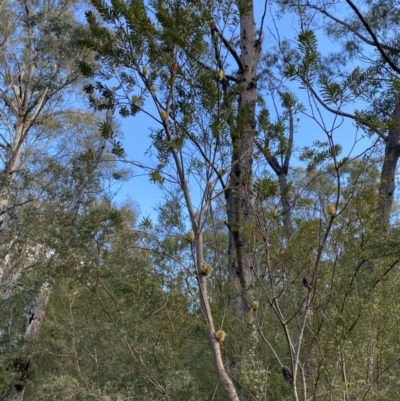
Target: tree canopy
[{"x": 269, "y": 269}]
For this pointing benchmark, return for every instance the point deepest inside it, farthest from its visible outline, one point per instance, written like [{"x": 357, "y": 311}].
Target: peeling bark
[{"x": 35, "y": 316}]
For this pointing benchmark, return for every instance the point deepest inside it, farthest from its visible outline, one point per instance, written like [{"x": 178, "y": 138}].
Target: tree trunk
[
  {"x": 35, "y": 316},
  {"x": 12, "y": 162},
  {"x": 24, "y": 367},
  {"x": 239, "y": 192},
  {"x": 285, "y": 203},
  {"x": 215, "y": 346},
  {"x": 388, "y": 173},
  {"x": 281, "y": 169}
]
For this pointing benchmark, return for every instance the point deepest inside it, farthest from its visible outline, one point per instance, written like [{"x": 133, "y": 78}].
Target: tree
[
  {"x": 112, "y": 349},
  {"x": 374, "y": 79},
  {"x": 38, "y": 75},
  {"x": 171, "y": 57}
]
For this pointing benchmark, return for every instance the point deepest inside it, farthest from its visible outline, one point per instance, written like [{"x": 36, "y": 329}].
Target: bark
[
  {"x": 239, "y": 192},
  {"x": 215, "y": 346},
  {"x": 283, "y": 184},
  {"x": 388, "y": 172},
  {"x": 24, "y": 367},
  {"x": 196, "y": 220},
  {"x": 285, "y": 204},
  {"x": 281, "y": 170},
  {"x": 35, "y": 316}
]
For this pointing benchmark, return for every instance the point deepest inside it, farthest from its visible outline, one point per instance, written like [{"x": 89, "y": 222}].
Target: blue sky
[{"x": 136, "y": 130}]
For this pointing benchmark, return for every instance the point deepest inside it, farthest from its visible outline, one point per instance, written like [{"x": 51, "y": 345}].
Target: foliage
[{"x": 303, "y": 282}]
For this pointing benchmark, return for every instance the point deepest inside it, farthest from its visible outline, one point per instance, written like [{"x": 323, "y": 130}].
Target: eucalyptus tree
[
  {"x": 39, "y": 76},
  {"x": 37, "y": 40},
  {"x": 33, "y": 257},
  {"x": 39, "y": 66}
]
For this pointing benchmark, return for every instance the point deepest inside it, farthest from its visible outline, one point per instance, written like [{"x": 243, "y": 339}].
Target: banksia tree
[{"x": 209, "y": 84}]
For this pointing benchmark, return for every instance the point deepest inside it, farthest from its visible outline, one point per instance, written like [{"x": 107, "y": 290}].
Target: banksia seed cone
[
  {"x": 330, "y": 209},
  {"x": 190, "y": 235},
  {"x": 206, "y": 270},
  {"x": 220, "y": 335}
]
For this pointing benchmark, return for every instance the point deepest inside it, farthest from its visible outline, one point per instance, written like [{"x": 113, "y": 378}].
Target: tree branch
[
  {"x": 227, "y": 76},
  {"x": 272, "y": 160},
  {"x": 373, "y": 36},
  {"x": 262, "y": 20},
  {"x": 341, "y": 113},
  {"x": 285, "y": 166},
  {"x": 230, "y": 48},
  {"x": 354, "y": 31}
]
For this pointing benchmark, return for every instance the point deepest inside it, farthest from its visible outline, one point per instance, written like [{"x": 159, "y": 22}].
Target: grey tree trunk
[
  {"x": 388, "y": 172},
  {"x": 286, "y": 204},
  {"x": 24, "y": 367},
  {"x": 281, "y": 169},
  {"x": 239, "y": 192},
  {"x": 282, "y": 172}
]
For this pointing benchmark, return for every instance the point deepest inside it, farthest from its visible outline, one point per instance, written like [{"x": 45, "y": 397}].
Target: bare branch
[
  {"x": 230, "y": 48},
  {"x": 373, "y": 36},
  {"x": 285, "y": 166},
  {"x": 262, "y": 19}
]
